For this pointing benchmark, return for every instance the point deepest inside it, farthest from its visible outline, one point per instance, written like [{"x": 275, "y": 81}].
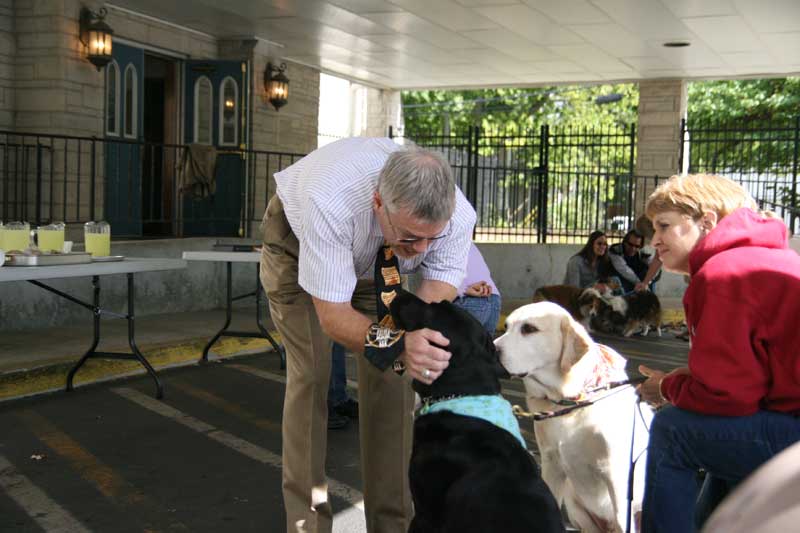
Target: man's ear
[{"x": 574, "y": 345}]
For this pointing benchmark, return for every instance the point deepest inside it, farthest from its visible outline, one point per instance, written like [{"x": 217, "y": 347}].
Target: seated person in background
[
  {"x": 478, "y": 294},
  {"x": 635, "y": 269},
  {"x": 737, "y": 404},
  {"x": 590, "y": 267}
]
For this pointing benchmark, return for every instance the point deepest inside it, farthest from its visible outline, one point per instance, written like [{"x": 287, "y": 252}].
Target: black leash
[{"x": 574, "y": 405}]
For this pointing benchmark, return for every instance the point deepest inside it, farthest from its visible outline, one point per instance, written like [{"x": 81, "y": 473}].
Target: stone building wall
[
  {"x": 56, "y": 89},
  {"x": 291, "y": 130},
  {"x": 8, "y": 46}
]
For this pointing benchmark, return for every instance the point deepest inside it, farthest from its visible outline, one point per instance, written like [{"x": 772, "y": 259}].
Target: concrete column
[
  {"x": 384, "y": 109},
  {"x": 662, "y": 105}
]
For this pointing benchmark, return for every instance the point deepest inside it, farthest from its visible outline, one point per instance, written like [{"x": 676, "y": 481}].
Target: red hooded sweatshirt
[{"x": 743, "y": 312}]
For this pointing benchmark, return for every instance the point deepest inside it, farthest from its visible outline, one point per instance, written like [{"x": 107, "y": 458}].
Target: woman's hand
[
  {"x": 422, "y": 357},
  {"x": 650, "y": 390},
  {"x": 480, "y": 289}
]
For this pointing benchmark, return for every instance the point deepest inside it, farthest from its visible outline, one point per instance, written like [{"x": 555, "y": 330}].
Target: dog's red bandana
[{"x": 610, "y": 367}]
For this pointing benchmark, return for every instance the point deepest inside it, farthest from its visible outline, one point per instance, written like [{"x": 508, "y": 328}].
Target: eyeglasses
[
  {"x": 637, "y": 246},
  {"x": 414, "y": 240}
]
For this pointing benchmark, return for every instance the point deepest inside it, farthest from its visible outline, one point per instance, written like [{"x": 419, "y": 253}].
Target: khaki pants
[{"x": 385, "y": 401}]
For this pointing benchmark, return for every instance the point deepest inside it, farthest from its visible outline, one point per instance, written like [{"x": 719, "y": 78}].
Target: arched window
[
  {"x": 203, "y": 110},
  {"x": 112, "y": 99},
  {"x": 131, "y": 102},
  {"x": 228, "y": 111}
]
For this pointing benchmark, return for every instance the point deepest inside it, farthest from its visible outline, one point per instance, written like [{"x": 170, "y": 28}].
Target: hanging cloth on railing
[{"x": 197, "y": 172}]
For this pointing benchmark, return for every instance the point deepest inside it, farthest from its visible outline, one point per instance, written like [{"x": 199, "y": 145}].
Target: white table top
[
  {"x": 228, "y": 257},
  {"x": 128, "y": 265}
]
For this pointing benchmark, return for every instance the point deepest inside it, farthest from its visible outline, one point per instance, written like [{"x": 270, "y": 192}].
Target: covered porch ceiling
[{"x": 405, "y": 44}]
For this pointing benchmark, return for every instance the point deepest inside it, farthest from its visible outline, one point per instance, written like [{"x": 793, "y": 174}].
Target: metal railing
[
  {"x": 545, "y": 185},
  {"x": 143, "y": 189},
  {"x": 542, "y": 185},
  {"x": 762, "y": 156}
]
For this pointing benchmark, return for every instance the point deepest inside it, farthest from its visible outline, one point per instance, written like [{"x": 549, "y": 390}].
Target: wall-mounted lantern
[
  {"x": 276, "y": 85},
  {"x": 95, "y": 34}
]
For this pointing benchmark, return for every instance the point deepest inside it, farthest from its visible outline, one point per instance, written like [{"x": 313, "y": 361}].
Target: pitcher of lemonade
[
  {"x": 51, "y": 237},
  {"x": 97, "y": 236},
  {"x": 16, "y": 236}
]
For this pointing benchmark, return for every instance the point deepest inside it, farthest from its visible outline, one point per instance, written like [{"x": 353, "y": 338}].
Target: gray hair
[{"x": 420, "y": 181}]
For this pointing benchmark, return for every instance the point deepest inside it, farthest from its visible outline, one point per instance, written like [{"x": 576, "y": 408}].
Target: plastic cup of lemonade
[
  {"x": 97, "y": 236},
  {"x": 2, "y": 243},
  {"x": 51, "y": 237},
  {"x": 16, "y": 236}
]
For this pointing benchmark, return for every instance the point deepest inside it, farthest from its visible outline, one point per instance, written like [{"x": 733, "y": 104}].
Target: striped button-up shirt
[{"x": 328, "y": 200}]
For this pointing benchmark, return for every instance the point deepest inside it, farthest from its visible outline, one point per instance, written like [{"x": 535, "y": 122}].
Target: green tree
[
  {"x": 730, "y": 101},
  {"x": 748, "y": 129},
  {"x": 589, "y": 150},
  {"x": 512, "y": 111}
]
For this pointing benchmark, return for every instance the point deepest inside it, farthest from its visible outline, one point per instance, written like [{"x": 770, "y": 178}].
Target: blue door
[
  {"x": 123, "y": 132},
  {"x": 216, "y": 98}
]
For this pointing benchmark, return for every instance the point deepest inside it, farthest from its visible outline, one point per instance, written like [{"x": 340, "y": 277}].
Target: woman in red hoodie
[{"x": 737, "y": 403}]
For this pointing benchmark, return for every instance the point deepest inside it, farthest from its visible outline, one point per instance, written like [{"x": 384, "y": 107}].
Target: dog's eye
[{"x": 527, "y": 329}]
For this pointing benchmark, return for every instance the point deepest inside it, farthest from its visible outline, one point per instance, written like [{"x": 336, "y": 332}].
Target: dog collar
[
  {"x": 607, "y": 369},
  {"x": 492, "y": 408}
]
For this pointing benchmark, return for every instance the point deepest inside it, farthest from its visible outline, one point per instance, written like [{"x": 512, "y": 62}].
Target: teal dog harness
[{"x": 494, "y": 409}]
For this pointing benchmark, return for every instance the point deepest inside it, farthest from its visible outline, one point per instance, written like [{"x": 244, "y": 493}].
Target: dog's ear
[
  {"x": 409, "y": 311},
  {"x": 574, "y": 344}
]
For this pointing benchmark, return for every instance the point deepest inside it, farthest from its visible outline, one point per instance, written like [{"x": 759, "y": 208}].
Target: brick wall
[
  {"x": 130, "y": 26},
  {"x": 292, "y": 129},
  {"x": 56, "y": 89},
  {"x": 8, "y": 47},
  {"x": 48, "y": 86}
]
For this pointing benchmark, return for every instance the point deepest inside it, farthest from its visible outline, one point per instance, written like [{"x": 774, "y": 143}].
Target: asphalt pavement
[{"x": 110, "y": 457}]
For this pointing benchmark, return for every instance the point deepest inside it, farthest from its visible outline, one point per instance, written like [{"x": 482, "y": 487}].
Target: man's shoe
[
  {"x": 348, "y": 408},
  {"x": 336, "y": 420}
]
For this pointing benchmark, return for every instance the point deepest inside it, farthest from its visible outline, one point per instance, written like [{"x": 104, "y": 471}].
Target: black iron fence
[
  {"x": 542, "y": 185},
  {"x": 545, "y": 185},
  {"x": 762, "y": 156},
  {"x": 142, "y": 189}
]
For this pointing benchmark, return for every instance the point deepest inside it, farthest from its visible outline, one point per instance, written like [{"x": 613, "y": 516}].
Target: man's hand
[
  {"x": 640, "y": 287},
  {"x": 650, "y": 390},
  {"x": 480, "y": 289},
  {"x": 424, "y": 361}
]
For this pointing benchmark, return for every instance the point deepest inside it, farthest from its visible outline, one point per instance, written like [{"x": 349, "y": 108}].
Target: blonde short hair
[{"x": 695, "y": 194}]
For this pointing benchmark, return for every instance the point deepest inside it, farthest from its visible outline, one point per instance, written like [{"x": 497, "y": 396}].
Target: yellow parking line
[
  {"x": 229, "y": 407},
  {"x": 89, "y": 467},
  {"x": 51, "y": 378}
]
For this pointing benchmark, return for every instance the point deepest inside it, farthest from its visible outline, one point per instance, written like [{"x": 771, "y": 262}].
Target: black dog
[{"x": 468, "y": 474}]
